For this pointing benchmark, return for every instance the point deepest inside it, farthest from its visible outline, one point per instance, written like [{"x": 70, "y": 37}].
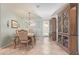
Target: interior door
[{"x": 53, "y": 29}]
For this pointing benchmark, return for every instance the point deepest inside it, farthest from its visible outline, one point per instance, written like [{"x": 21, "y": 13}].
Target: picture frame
[{"x": 14, "y": 24}]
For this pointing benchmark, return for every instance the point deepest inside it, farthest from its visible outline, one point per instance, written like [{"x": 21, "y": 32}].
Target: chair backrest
[{"x": 22, "y": 34}]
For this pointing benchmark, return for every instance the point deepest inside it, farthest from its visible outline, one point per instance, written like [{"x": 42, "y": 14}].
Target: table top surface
[{"x": 30, "y": 34}]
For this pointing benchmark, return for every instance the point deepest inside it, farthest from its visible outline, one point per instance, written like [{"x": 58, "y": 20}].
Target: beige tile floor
[{"x": 44, "y": 46}]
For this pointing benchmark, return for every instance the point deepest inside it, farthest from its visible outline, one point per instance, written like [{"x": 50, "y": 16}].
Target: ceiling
[{"x": 44, "y": 10}]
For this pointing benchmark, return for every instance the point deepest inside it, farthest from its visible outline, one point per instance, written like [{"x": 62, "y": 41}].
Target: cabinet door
[
  {"x": 73, "y": 21},
  {"x": 73, "y": 31},
  {"x": 59, "y": 24},
  {"x": 66, "y": 21},
  {"x": 73, "y": 45}
]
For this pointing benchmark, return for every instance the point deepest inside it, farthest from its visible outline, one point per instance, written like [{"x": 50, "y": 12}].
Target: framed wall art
[{"x": 14, "y": 24}]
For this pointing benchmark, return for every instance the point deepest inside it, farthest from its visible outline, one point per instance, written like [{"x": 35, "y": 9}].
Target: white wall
[
  {"x": 8, "y": 32},
  {"x": 78, "y": 27}
]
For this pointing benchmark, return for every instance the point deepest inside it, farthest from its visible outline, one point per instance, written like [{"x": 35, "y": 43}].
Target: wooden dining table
[{"x": 31, "y": 37}]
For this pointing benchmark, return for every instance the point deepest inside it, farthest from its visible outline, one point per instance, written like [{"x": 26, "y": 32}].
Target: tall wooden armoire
[{"x": 67, "y": 29}]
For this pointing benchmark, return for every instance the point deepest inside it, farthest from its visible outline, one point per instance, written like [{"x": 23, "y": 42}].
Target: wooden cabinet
[
  {"x": 73, "y": 30},
  {"x": 67, "y": 28},
  {"x": 53, "y": 29}
]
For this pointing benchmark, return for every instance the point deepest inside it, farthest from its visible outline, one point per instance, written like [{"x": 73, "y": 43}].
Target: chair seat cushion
[{"x": 24, "y": 41}]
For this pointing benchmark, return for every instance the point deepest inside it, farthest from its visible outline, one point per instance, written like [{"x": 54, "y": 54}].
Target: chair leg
[
  {"x": 20, "y": 45},
  {"x": 35, "y": 40},
  {"x": 27, "y": 45},
  {"x": 32, "y": 42}
]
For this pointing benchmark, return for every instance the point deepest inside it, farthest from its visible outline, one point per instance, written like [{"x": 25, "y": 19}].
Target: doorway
[{"x": 46, "y": 28}]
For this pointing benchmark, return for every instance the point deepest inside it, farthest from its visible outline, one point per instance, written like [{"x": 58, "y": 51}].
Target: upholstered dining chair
[{"x": 23, "y": 37}]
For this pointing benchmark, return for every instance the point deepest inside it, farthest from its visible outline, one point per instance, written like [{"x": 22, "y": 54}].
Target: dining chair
[{"x": 23, "y": 37}]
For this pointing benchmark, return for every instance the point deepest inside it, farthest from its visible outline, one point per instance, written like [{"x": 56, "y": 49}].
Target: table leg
[
  {"x": 14, "y": 43},
  {"x": 32, "y": 41}
]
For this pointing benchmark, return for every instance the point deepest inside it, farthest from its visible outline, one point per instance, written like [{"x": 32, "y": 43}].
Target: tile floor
[{"x": 44, "y": 46}]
